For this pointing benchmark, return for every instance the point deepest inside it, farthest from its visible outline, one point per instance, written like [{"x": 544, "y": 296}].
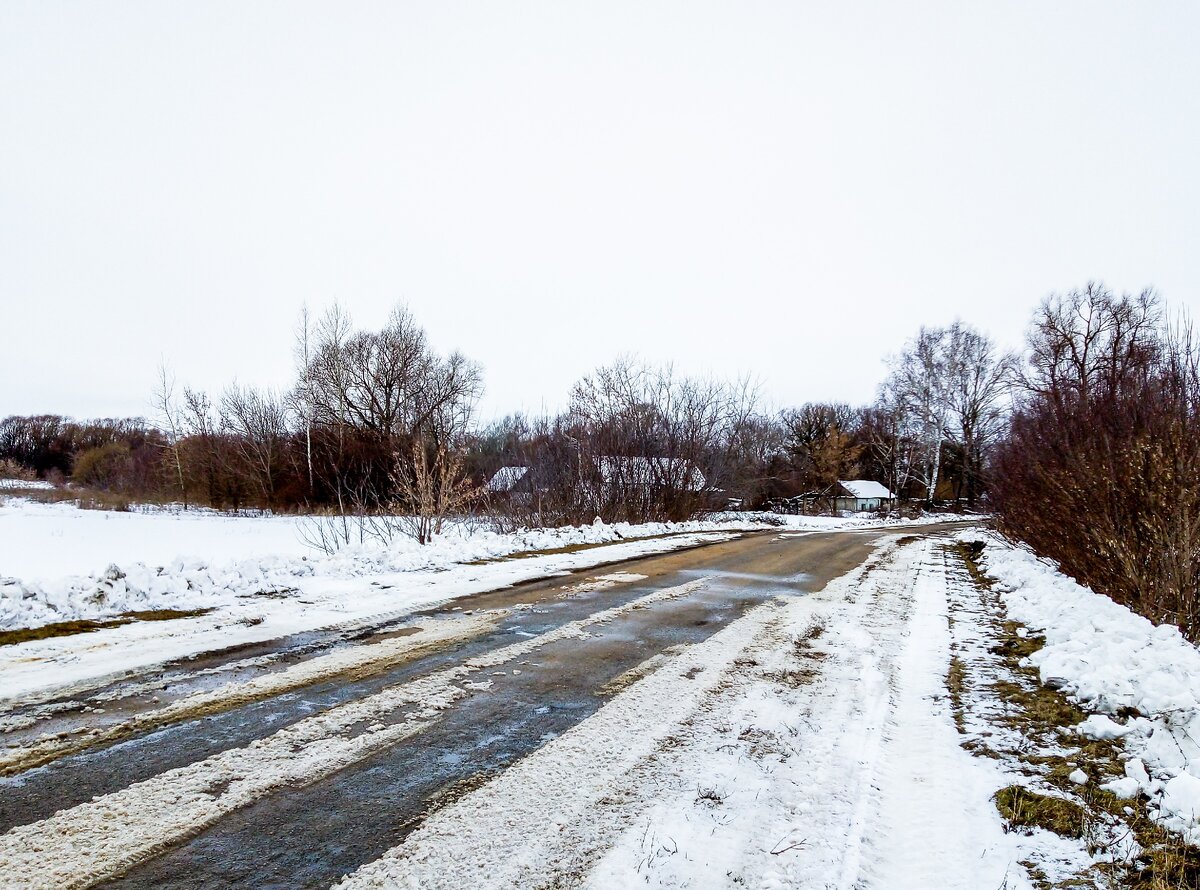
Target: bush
[
  {"x": 105, "y": 467},
  {"x": 12, "y": 470},
  {"x": 1100, "y": 470}
]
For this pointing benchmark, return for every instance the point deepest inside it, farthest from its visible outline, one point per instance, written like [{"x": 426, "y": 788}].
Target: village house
[{"x": 861, "y": 496}]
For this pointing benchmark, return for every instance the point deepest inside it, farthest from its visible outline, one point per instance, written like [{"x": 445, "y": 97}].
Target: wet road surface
[{"x": 310, "y": 836}]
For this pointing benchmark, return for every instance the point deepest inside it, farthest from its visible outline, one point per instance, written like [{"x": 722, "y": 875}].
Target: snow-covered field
[
  {"x": 47, "y": 541},
  {"x": 60, "y": 563}
]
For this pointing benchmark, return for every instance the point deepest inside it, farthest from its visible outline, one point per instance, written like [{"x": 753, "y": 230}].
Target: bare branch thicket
[
  {"x": 256, "y": 422},
  {"x": 651, "y": 444},
  {"x": 822, "y": 445},
  {"x": 431, "y": 485},
  {"x": 916, "y": 387},
  {"x": 979, "y": 378},
  {"x": 1101, "y": 467},
  {"x": 945, "y": 401}
]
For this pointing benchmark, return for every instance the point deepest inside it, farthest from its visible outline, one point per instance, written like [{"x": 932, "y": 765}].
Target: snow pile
[
  {"x": 26, "y": 485},
  {"x": 61, "y": 563},
  {"x": 1114, "y": 663},
  {"x": 190, "y": 583}
]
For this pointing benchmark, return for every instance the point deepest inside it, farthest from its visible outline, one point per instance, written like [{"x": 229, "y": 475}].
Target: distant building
[
  {"x": 507, "y": 479},
  {"x": 861, "y": 496},
  {"x": 649, "y": 473}
]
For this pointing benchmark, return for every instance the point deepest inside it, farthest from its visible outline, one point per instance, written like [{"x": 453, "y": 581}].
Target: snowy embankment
[
  {"x": 60, "y": 563},
  {"x": 1140, "y": 682},
  {"x": 233, "y": 557}
]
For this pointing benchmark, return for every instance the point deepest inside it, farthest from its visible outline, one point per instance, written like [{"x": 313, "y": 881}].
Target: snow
[
  {"x": 1112, "y": 662},
  {"x": 60, "y": 563},
  {"x": 505, "y": 478},
  {"x": 721, "y": 769},
  {"x": 27, "y": 485},
  {"x": 84, "y": 844},
  {"x": 260, "y": 581},
  {"x": 46, "y": 541},
  {"x": 865, "y": 488}
]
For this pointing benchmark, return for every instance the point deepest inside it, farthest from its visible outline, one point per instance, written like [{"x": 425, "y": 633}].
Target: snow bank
[
  {"x": 193, "y": 582},
  {"x": 1113, "y": 662},
  {"x": 60, "y": 563}
]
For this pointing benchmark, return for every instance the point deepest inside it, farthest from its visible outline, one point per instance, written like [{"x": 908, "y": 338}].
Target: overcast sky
[{"x": 785, "y": 189}]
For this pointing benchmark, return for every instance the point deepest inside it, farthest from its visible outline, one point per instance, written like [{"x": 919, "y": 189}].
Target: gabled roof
[
  {"x": 506, "y": 477},
  {"x": 651, "y": 471},
  {"x": 865, "y": 488}
]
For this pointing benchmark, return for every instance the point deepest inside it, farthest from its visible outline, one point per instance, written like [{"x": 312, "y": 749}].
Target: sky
[{"x": 784, "y": 190}]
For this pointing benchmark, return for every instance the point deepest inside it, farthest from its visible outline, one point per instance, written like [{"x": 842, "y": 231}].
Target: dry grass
[
  {"x": 1025, "y": 810},
  {"x": 1041, "y": 715},
  {"x": 82, "y": 626}
]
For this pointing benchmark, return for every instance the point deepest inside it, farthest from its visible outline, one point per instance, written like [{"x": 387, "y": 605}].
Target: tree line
[
  {"x": 378, "y": 422},
  {"x": 1086, "y": 444}
]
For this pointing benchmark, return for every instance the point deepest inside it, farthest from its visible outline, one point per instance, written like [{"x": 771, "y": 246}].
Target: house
[
  {"x": 507, "y": 479},
  {"x": 623, "y": 474},
  {"x": 861, "y": 496}
]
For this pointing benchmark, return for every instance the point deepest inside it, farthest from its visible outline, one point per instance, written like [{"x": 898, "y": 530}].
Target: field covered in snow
[{"x": 61, "y": 563}]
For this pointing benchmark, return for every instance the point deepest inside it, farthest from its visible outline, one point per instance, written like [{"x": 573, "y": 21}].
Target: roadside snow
[
  {"x": 61, "y": 563},
  {"x": 808, "y": 744},
  {"x": 25, "y": 484},
  {"x": 140, "y": 566},
  {"x": 259, "y": 584},
  {"x": 36, "y": 670},
  {"x": 1112, "y": 661},
  {"x": 84, "y": 844}
]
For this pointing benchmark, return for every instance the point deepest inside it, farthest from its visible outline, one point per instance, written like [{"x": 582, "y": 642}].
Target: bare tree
[
  {"x": 978, "y": 378},
  {"x": 916, "y": 388},
  {"x": 169, "y": 417},
  {"x": 257, "y": 422},
  {"x": 302, "y": 399}
]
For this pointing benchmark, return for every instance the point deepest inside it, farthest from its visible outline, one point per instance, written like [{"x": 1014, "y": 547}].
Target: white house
[
  {"x": 648, "y": 473},
  {"x": 861, "y": 496},
  {"x": 506, "y": 479}
]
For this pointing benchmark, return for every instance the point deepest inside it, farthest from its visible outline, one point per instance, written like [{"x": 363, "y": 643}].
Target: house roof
[
  {"x": 865, "y": 488},
  {"x": 649, "y": 471},
  {"x": 506, "y": 477}
]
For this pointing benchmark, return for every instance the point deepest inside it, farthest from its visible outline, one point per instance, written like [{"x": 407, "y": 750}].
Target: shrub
[{"x": 105, "y": 467}]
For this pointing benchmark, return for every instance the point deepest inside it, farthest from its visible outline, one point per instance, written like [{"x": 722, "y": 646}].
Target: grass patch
[
  {"x": 1040, "y": 713},
  {"x": 956, "y": 683},
  {"x": 1025, "y": 810},
  {"x": 86, "y": 625}
]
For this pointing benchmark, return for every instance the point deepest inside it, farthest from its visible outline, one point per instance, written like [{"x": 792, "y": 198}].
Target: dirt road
[{"x": 294, "y": 764}]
